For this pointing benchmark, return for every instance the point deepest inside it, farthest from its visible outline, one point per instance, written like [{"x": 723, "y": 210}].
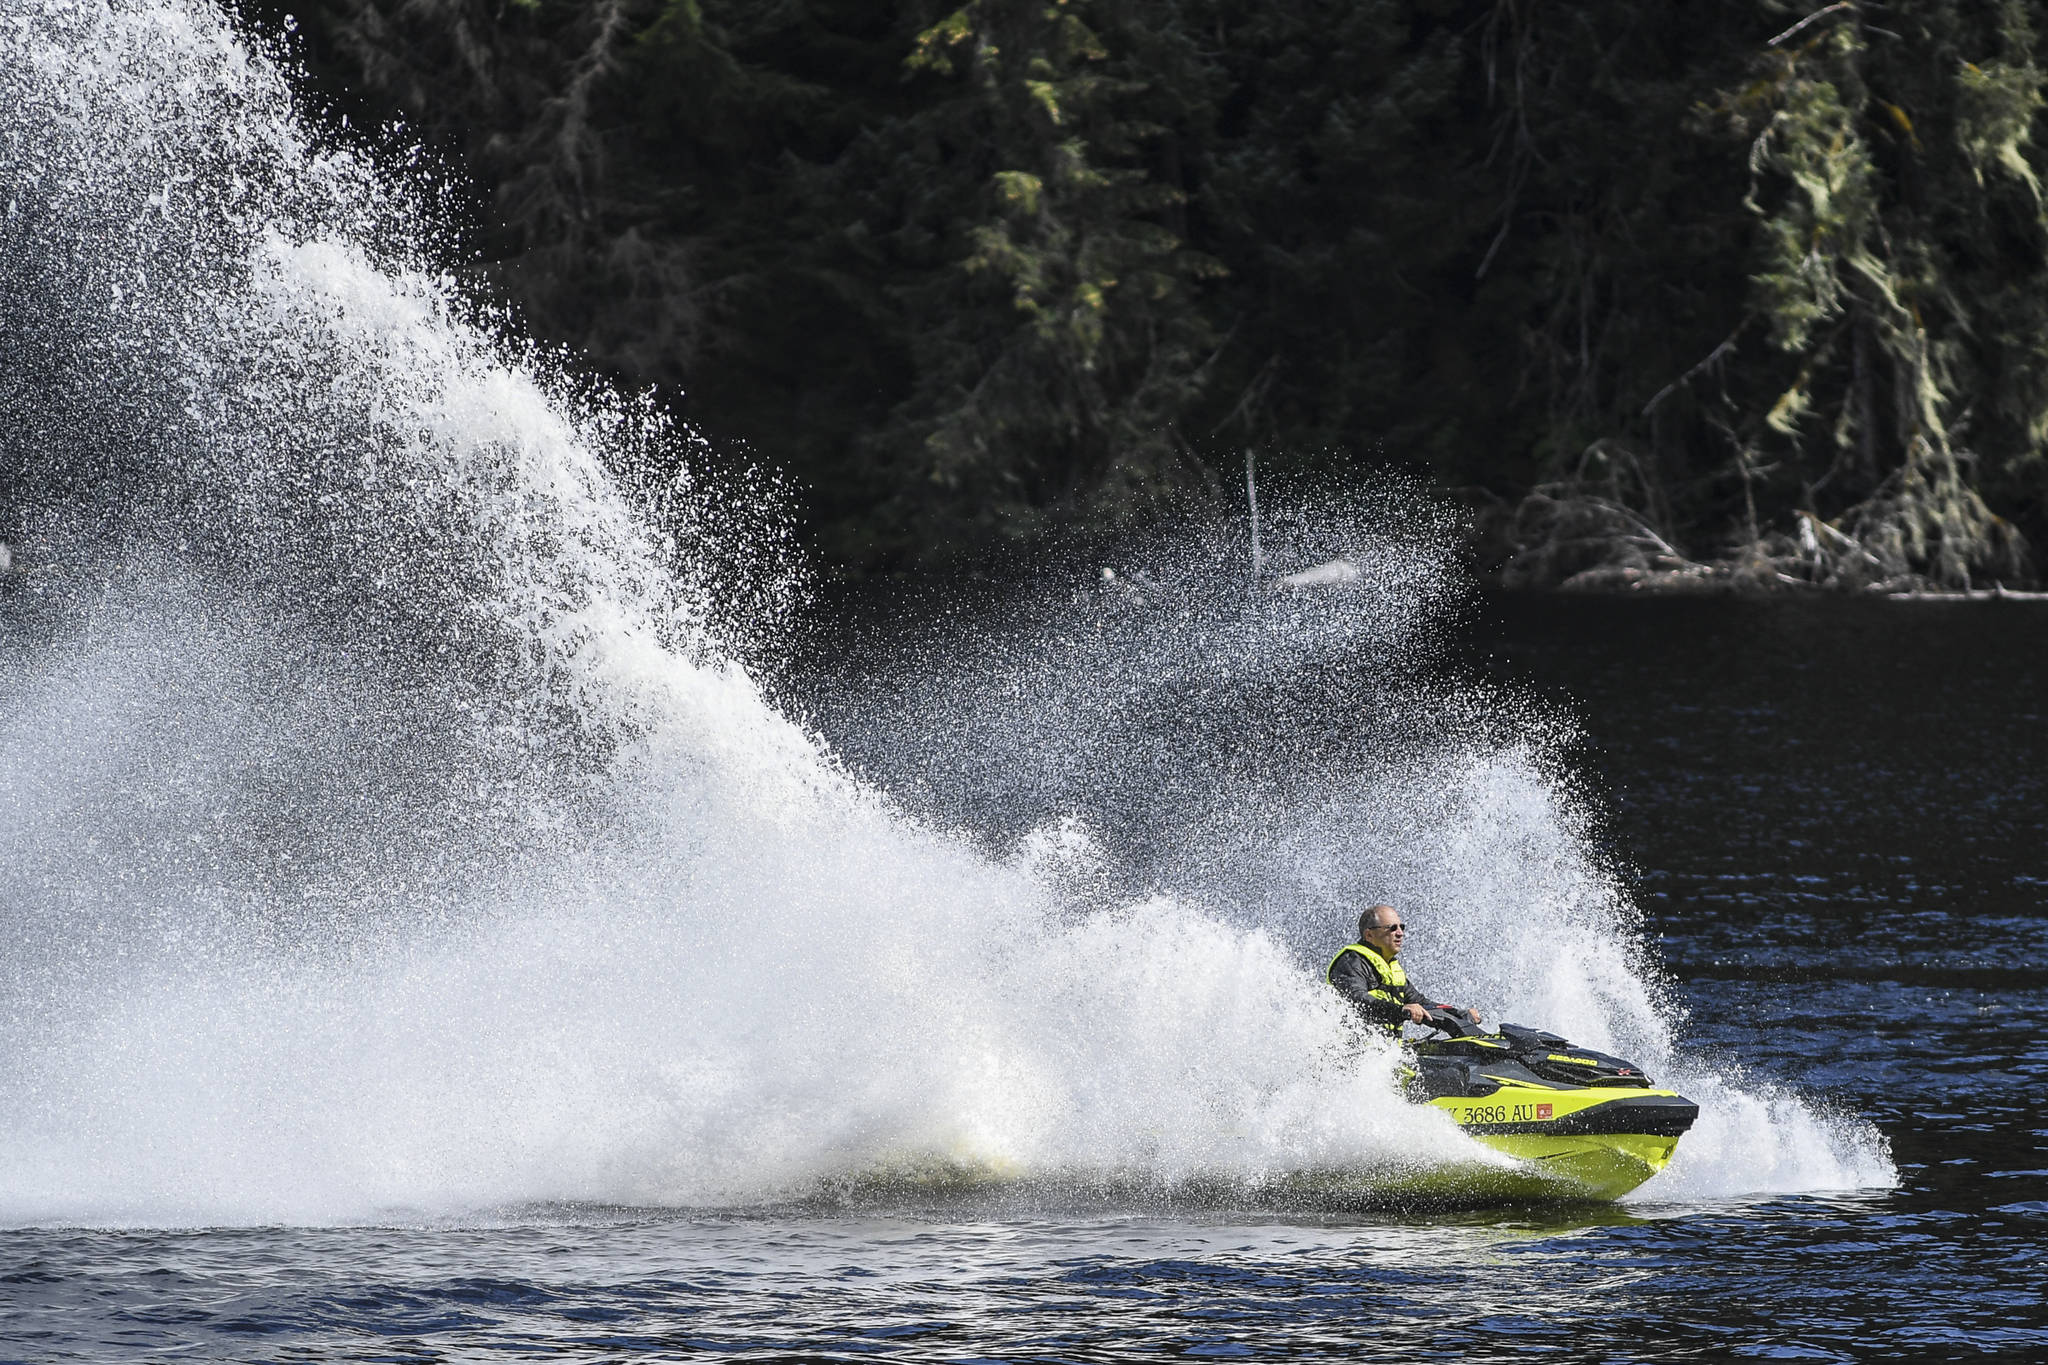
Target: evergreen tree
[
  {"x": 1054, "y": 313},
  {"x": 1899, "y": 258},
  {"x": 1675, "y": 283}
]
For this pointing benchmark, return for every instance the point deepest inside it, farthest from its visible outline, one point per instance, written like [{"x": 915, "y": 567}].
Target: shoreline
[{"x": 1743, "y": 582}]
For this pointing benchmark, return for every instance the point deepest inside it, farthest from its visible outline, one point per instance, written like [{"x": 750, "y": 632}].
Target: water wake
[{"x": 389, "y": 825}]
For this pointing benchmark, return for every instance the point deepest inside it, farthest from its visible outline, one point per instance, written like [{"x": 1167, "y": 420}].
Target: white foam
[{"x": 397, "y": 832}]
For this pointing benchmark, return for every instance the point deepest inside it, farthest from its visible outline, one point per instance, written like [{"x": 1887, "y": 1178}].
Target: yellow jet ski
[{"x": 1592, "y": 1126}]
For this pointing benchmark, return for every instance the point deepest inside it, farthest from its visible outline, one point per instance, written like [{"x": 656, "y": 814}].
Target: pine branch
[{"x": 1812, "y": 18}]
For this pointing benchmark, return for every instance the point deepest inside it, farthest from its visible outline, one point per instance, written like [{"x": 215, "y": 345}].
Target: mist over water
[
  {"x": 388, "y": 826},
  {"x": 1154, "y": 728}
]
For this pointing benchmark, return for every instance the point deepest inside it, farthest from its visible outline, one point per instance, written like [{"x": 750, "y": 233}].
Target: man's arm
[{"x": 1358, "y": 983}]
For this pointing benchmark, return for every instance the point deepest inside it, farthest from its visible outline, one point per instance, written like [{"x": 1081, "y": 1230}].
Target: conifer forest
[{"x": 1738, "y": 292}]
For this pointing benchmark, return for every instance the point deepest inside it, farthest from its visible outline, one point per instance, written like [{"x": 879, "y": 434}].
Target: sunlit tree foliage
[{"x": 1747, "y": 292}]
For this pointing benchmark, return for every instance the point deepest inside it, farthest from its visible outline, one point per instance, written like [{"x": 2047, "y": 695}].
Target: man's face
[{"x": 1385, "y": 938}]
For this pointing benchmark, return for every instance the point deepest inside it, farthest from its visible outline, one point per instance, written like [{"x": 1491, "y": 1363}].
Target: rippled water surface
[
  {"x": 1834, "y": 817},
  {"x": 1646, "y": 1283}
]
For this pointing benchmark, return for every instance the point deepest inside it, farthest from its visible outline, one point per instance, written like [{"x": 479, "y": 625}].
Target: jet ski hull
[
  {"x": 1590, "y": 1144},
  {"x": 1586, "y": 1124}
]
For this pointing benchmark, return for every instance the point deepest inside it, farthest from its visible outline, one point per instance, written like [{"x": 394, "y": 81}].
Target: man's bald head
[{"x": 1377, "y": 917}]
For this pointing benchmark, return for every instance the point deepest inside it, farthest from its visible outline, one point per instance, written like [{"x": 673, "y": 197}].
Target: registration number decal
[{"x": 1506, "y": 1113}]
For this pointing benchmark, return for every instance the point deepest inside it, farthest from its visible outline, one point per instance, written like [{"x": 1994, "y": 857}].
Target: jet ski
[{"x": 1591, "y": 1125}]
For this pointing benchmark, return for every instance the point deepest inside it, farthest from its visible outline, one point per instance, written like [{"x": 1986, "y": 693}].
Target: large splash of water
[{"x": 386, "y": 823}]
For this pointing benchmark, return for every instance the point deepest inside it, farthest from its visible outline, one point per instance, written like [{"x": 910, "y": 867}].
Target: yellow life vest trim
[{"x": 1390, "y": 972}]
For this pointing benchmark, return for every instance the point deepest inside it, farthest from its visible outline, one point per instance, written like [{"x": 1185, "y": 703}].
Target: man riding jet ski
[
  {"x": 1368, "y": 973},
  {"x": 1590, "y": 1125}
]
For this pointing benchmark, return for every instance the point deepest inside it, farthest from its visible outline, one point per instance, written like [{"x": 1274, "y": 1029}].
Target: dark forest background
[{"x": 1727, "y": 291}]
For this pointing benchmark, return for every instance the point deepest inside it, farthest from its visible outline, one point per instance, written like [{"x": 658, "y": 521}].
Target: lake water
[
  {"x": 426, "y": 941},
  {"x": 1833, "y": 814}
]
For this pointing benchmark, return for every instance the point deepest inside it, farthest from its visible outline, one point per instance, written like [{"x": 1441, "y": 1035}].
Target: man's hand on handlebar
[{"x": 1440, "y": 1016}]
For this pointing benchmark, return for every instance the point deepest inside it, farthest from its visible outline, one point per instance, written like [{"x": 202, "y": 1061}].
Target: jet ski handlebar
[{"x": 1454, "y": 1023}]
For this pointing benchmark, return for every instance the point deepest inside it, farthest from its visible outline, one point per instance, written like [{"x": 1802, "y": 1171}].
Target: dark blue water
[
  {"x": 1816, "y": 1278},
  {"x": 1833, "y": 815}
]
